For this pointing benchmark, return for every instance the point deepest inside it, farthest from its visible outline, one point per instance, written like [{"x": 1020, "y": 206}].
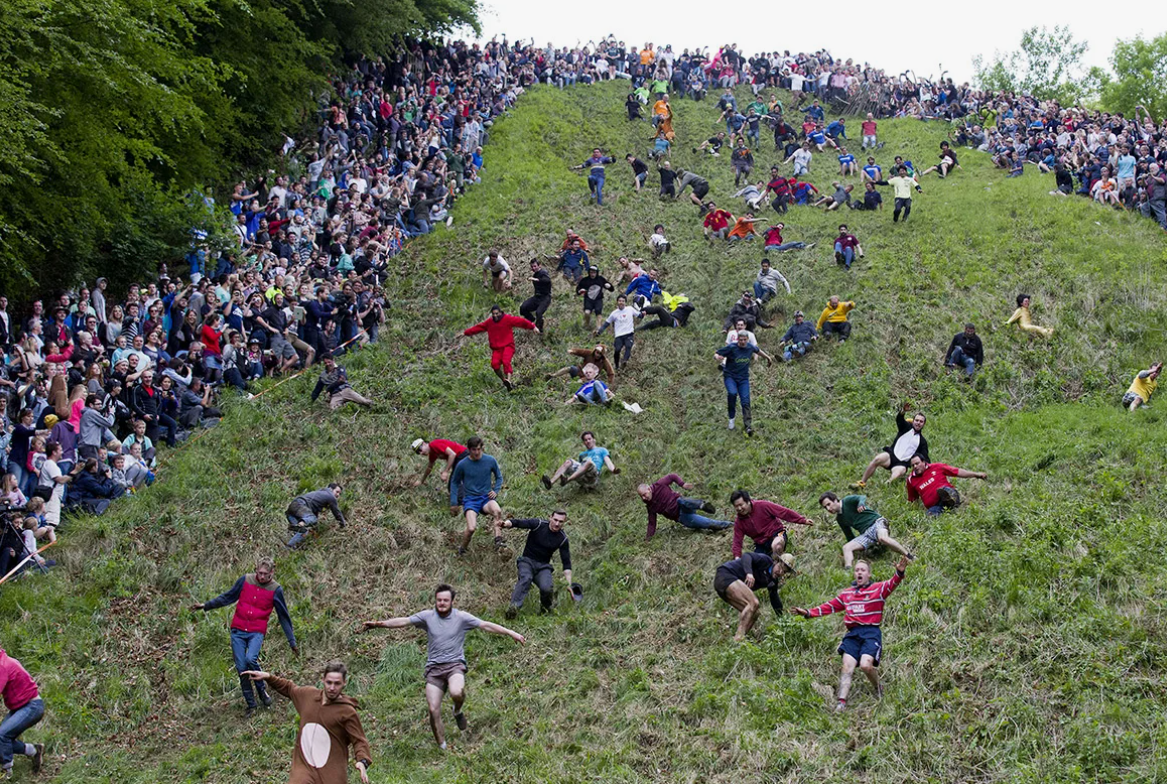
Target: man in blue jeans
[
  {"x": 595, "y": 166},
  {"x": 966, "y": 351},
  {"x": 254, "y": 596},
  {"x": 798, "y": 338},
  {"x": 660, "y": 498},
  {"x": 25, "y": 708},
  {"x": 738, "y": 357},
  {"x": 305, "y": 509}
]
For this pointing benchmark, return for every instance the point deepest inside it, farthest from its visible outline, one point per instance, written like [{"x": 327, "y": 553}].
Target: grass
[{"x": 1026, "y": 645}]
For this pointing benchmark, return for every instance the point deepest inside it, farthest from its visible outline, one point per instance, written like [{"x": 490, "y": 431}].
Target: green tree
[
  {"x": 1047, "y": 66},
  {"x": 1139, "y": 79}
]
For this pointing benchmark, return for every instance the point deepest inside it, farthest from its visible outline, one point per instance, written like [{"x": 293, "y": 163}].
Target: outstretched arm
[
  {"x": 389, "y": 623},
  {"x": 963, "y": 474},
  {"x": 494, "y": 628}
]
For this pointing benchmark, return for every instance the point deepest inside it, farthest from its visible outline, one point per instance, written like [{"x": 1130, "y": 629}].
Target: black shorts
[
  {"x": 594, "y": 306},
  {"x": 668, "y": 190},
  {"x": 722, "y": 580},
  {"x": 701, "y": 191},
  {"x": 895, "y": 461}
]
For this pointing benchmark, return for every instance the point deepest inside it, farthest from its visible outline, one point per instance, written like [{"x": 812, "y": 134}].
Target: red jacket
[
  {"x": 861, "y": 606},
  {"x": 500, "y": 334},
  {"x": 766, "y": 520}
]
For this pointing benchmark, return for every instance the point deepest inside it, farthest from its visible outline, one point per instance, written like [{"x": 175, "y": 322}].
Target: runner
[
  {"x": 862, "y": 608},
  {"x": 303, "y": 513},
  {"x": 1142, "y": 387},
  {"x": 674, "y": 311},
  {"x": 737, "y": 580},
  {"x": 639, "y": 171},
  {"x": 764, "y": 522},
  {"x": 573, "y": 260},
  {"x": 595, "y": 166},
  {"x": 596, "y": 355},
  {"x": 544, "y": 537},
  {"x": 499, "y": 329},
  {"x": 536, "y": 305},
  {"x": 766, "y": 283},
  {"x": 863, "y": 526},
  {"x": 591, "y": 288},
  {"x": 474, "y": 486},
  {"x": 329, "y": 725},
  {"x": 660, "y": 498},
  {"x": 445, "y": 666},
  {"x": 624, "y": 327},
  {"x": 700, "y": 187},
  {"x": 929, "y": 484},
  {"x": 909, "y": 441},
  {"x": 846, "y": 247},
  {"x": 658, "y": 243},
  {"x": 439, "y": 449},
  {"x": 496, "y": 273},
  {"x": 25, "y": 709},
  {"x": 254, "y": 595},
  {"x": 736, "y": 372},
  {"x": 966, "y": 351},
  {"x": 902, "y": 185},
  {"x": 587, "y": 469}
]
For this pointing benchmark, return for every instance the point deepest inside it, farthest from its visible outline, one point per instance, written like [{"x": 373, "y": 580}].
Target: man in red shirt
[
  {"x": 762, "y": 521},
  {"x": 438, "y": 449},
  {"x": 928, "y": 482},
  {"x": 500, "y": 334},
  {"x": 780, "y": 187},
  {"x": 717, "y": 222},
  {"x": 862, "y": 608},
  {"x": 868, "y": 129},
  {"x": 25, "y": 708}
]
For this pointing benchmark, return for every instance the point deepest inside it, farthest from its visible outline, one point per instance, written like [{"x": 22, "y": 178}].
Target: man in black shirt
[
  {"x": 736, "y": 581},
  {"x": 275, "y": 321},
  {"x": 872, "y": 199},
  {"x": 668, "y": 179},
  {"x": 544, "y": 537},
  {"x": 966, "y": 350},
  {"x": 591, "y": 288},
  {"x": 535, "y": 306},
  {"x": 639, "y": 171}
]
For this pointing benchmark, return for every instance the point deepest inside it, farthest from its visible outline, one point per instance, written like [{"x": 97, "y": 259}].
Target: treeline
[{"x": 115, "y": 114}]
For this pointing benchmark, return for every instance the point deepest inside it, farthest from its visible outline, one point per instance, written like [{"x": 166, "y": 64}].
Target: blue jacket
[
  {"x": 643, "y": 285},
  {"x": 800, "y": 333}
]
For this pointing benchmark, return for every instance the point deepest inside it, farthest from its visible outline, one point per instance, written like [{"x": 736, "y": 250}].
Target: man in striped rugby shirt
[{"x": 862, "y": 608}]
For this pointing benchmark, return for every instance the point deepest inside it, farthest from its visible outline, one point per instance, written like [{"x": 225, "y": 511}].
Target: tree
[
  {"x": 1047, "y": 66},
  {"x": 1139, "y": 79}
]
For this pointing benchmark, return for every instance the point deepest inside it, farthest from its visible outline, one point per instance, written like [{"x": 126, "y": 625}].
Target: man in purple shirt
[
  {"x": 660, "y": 498},
  {"x": 762, "y": 521}
]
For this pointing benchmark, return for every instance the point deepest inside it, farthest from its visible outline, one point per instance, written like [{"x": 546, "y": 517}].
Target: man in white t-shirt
[
  {"x": 496, "y": 273},
  {"x": 445, "y": 666},
  {"x": 623, "y": 324},
  {"x": 54, "y": 481}
]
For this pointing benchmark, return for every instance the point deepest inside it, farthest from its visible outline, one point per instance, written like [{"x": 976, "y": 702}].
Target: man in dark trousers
[
  {"x": 304, "y": 511},
  {"x": 896, "y": 458},
  {"x": 254, "y": 595},
  {"x": 966, "y": 351},
  {"x": 25, "y": 708},
  {"x": 536, "y": 305},
  {"x": 544, "y": 537},
  {"x": 736, "y": 581}
]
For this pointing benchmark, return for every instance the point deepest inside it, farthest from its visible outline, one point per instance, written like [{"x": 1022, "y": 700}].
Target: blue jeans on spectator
[
  {"x": 245, "y": 650},
  {"x": 958, "y": 357},
  {"x": 795, "y": 349},
  {"x": 848, "y": 253},
  {"x": 689, "y": 518},
  {"x": 300, "y": 527},
  {"x": 596, "y": 184},
  {"x": 16, "y": 723}
]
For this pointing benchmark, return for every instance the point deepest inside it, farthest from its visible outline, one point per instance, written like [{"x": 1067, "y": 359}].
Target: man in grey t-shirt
[{"x": 445, "y": 666}]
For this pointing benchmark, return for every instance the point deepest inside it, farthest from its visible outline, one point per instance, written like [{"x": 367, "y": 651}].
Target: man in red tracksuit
[
  {"x": 500, "y": 334},
  {"x": 862, "y": 608},
  {"x": 762, "y": 521},
  {"x": 254, "y": 596}
]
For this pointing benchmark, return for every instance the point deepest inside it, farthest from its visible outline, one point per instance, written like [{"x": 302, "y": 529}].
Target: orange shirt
[
  {"x": 646, "y": 56},
  {"x": 742, "y": 228}
]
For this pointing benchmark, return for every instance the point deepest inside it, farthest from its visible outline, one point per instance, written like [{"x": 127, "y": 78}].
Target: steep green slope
[{"x": 1026, "y": 645}]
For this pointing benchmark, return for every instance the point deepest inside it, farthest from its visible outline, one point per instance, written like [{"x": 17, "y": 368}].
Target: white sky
[{"x": 846, "y": 29}]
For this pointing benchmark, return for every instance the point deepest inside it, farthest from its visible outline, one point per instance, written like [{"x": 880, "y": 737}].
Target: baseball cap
[{"x": 416, "y": 445}]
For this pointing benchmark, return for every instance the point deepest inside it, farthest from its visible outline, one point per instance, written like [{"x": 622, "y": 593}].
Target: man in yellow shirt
[
  {"x": 902, "y": 184},
  {"x": 1142, "y": 387},
  {"x": 833, "y": 320}
]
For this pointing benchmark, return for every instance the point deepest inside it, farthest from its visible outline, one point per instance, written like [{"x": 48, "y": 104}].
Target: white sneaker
[{"x": 731, "y": 424}]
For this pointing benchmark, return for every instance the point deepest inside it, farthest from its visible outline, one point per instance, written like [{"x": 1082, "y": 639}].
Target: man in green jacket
[{"x": 863, "y": 526}]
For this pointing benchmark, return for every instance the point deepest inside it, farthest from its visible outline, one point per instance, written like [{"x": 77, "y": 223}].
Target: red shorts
[{"x": 501, "y": 357}]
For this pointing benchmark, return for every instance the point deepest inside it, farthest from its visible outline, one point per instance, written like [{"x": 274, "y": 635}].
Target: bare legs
[{"x": 742, "y": 599}]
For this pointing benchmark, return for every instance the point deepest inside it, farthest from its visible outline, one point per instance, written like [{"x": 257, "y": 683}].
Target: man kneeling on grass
[
  {"x": 737, "y": 580},
  {"x": 587, "y": 469}
]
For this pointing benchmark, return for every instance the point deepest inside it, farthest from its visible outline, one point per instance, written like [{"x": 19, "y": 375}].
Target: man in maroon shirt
[
  {"x": 500, "y": 334},
  {"x": 660, "y": 498},
  {"x": 25, "y": 708},
  {"x": 764, "y": 522},
  {"x": 928, "y": 483}
]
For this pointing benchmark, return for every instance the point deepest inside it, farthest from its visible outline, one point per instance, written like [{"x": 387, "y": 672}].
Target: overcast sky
[{"x": 846, "y": 29}]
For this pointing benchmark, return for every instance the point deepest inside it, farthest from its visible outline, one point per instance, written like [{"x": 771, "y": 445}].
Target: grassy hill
[{"x": 1027, "y": 644}]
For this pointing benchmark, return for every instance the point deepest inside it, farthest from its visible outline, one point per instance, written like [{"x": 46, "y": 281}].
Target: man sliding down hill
[
  {"x": 909, "y": 441},
  {"x": 660, "y": 498},
  {"x": 764, "y": 522},
  {"x": 928, "y": 483},
  {"x": 862, "y": 605},
  {"x": 863, "y": 526},
  {"x": 500, "y": 334},
  {"x": 439, "y": 449}
]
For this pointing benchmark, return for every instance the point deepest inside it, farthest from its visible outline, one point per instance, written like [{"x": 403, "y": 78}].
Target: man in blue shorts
[
  {"x": 477, "y": 480},
  {"x": 587, "y": 469}
]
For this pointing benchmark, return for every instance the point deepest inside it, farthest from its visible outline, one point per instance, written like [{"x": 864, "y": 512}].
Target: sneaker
[
  {"x": 265, "y": 698},
  {"x": 499, "y": 542},
  {"x": 749, "y": 431},
  {"x": 546, "y": 480},
  {"x": 731, "y": 424},
  {"x": 460, "y": 720},
  {"x": 810, "y": 245},
  {"x": 511, "y": 612},
  {"x": 38, "y": 759},
  {"x": 249, "y": 713},
  {"x": 506, "y": 383},
  {"x": 858, "y": 485},
  {"x": 563, "y": 480},
  {"x": 840, "y": 706},
  {"x": 838, "y": 257},
  {"x": 708, "y": 507},
  {"x": 461, "y": 551},
  {"x": 450, "y": 221}
]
